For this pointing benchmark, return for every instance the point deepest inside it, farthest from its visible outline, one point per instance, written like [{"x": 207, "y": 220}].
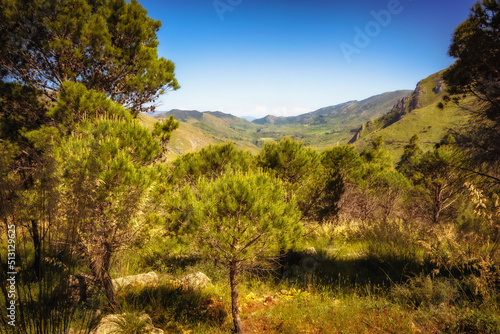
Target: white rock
[{"x": 141, "y": 279}]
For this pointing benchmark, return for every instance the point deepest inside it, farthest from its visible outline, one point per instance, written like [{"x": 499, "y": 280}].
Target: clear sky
[{"x": 286, "y": 57}]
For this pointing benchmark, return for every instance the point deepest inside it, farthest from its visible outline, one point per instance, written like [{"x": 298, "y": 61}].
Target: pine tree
[
  {"x": 476, "y": 74},
  {"x": 240, "y": 218},
  {"x": 289, "y": 160},
  {"x": 377, "y": 156},
  {"x": 109, "y": 46},
  {"x": 23, "y": 112},
  {"x": 439, "y": 179},
  {"x": 105, "y": 179},
  {"x": 210, "y": 162},
  {"x": 411, "y": 156},
  {"x": 315, "y": 187}
]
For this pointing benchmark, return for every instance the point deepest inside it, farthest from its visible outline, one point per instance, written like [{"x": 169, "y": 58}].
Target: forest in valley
[{"x": 102, "y": 230}]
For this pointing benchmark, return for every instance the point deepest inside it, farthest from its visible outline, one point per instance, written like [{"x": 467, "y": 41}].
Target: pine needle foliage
[
  {"x": 239, "y": 219},
  {"x": 109, "y": 46}
]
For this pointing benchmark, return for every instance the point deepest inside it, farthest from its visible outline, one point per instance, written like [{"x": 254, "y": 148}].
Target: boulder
[
  {"x": 194, "y": 281},
  {"x": 117, "y": 323},
  {"x": 141, "y": 279},
  {"x": 311, "y": 251}
]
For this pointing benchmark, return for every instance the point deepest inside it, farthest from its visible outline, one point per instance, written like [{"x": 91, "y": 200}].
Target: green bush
[{"x": 170, "y": 305}]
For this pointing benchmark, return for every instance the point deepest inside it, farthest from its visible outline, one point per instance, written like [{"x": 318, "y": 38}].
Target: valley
[{"x": 394, "y": 115}]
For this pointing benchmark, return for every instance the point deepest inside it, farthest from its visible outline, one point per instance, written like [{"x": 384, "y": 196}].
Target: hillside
[
  {"x": 394, "y": 115},
  {"x": 189, "y": 137},
  {"x": 216, "y": 123},
  {"x": 416, "y": 114},
  {"x": 321, "y": 128},
  {"x": 353, "y": 110}
]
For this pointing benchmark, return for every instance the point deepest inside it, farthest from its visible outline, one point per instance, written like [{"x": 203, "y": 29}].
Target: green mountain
[
  {"x": 321, "y": 128},
  {"x": 394, "y": 115},
  {"x": 352, "y": 111},
  {"x": 199, "y": 129},
  {"x": 417, "y": 114},
  {"x": 215, "y": 123}
]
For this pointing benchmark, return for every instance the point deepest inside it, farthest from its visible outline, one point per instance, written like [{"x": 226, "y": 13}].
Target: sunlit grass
[{"x": 371, "y": 278}]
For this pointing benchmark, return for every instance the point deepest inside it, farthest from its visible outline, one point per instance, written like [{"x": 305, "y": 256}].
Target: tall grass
[{"x": 385, "y": 276}]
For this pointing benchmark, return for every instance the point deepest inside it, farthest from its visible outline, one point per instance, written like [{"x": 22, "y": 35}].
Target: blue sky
[{"x": 259, "y": 57}]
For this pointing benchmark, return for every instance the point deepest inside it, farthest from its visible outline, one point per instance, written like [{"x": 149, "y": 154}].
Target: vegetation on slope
[
  {"x": 321, "y": 129},
  {"x": 353, "y": 240},
  {"x": 419, "y": 114}
]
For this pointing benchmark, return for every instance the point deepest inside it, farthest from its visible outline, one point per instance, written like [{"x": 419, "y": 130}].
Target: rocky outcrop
[
  {"x": 416, "y": 99},
  {"x": 194, "y": 281},
  {"x": 400, "y": 106},
  {"x": 421, "y": 97},
  {"x": 141, "y": 279},
  {"x": 358, "y": 133},
  {"x": 440, "y": 87},
  {"x": 118, "y": 323}
]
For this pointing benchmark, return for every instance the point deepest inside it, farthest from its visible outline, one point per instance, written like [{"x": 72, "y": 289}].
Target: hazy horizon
[{"x": 252, "y": 117}]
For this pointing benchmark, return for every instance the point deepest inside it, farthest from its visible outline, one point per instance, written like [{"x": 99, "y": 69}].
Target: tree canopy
[
  {"x": 109, "y": 46},
  {"x": 104, "y": 179},
  {"x": 476, "y": 72},
  {"x": 239, "y": 218}
]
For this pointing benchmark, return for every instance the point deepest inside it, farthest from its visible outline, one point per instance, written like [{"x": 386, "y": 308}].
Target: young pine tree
[
  {"x": 316, "y": 187},
  {"x": 410, "y": 158},
  {"x": 210, "y": 162},
  {"x": 240, "y": 218}
]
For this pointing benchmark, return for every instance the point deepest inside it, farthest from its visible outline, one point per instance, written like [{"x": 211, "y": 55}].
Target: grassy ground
[{"x": 369, "y": 279}]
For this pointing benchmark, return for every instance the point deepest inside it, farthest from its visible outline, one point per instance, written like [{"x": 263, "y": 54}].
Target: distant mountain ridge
[
  {"x": 385, "y": 100},
  {"x": 321, "y": 128},
  {"x": 396, "y": 116},
  {"x": 184, "y": 115}
]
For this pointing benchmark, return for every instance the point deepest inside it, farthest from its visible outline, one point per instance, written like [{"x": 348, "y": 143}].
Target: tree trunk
[
  {"x": 37, "y": 245},
  {"x": 99, "y": 266},
  {"x": 106, "y": 278},
  {"x": 233, "y": 272}
]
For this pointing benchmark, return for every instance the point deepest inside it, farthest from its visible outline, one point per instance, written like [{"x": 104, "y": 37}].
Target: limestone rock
[
  {"x": 116, "y": 323},
  {"x": 311, "y": 251},
  {"x": 194, "y": 281},
  {"x": 141, "y": 279},
  {"x": 440, "y": 86},
  {"x": 417, "y": 98}
]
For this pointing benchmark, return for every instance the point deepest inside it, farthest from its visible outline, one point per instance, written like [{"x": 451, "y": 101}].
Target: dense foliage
[
  {"x": 240, "y": 218},
  {"x": 475, "y": 73},
  {"x": 87, "y": 190},
  {"x": 108, "y": 46}
]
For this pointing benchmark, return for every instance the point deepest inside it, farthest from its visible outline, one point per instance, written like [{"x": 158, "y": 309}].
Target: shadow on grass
[
  {"x": 169, "y": 306},
  {"x": 350, "y": 272}
]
